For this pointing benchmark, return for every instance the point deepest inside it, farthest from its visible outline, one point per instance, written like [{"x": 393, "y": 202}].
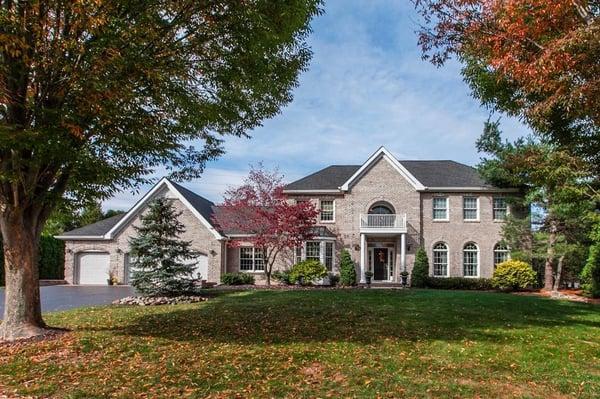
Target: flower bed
[{"x": 158, "y": 300}]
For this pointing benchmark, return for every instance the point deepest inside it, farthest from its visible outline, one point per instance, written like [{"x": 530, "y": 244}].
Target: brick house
[{"x": 381, "y": 211}]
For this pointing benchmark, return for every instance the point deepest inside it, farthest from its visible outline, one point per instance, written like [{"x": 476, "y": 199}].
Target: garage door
[
  {"x": 93, "y": 268},
  {"x": 202, "y": 267}
]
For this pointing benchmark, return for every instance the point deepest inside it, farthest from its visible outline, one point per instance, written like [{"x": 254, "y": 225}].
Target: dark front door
[{"x": 380, "y": 260}]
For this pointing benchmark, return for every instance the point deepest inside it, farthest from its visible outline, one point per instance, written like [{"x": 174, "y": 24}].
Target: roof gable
[{"x": 107, "y": 229}]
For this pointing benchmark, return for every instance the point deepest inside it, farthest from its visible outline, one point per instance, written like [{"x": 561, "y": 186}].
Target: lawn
[{"x": 338, "y": 343}]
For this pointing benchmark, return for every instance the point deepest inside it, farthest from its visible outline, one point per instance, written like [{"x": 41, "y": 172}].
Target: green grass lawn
[{"x": 354, "y": 343}]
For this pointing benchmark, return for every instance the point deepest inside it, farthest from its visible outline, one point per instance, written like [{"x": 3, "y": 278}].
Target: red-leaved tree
[{"x": 258, "y": 212}]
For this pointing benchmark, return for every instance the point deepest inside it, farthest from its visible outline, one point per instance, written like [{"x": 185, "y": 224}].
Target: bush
[
  {"x": 347, "y": 270},
  {"x": 237, "y": 279},
  {"x": 420, "y": 271},
  {"x": 51, "y": 259},
  {"x": 283, "y": 276},
  {"x": 513, "y": 275},
  {"x": 590, "y": 275},
  {"x": 458, "y": 283},
  {"x": 308, "y": 270}
]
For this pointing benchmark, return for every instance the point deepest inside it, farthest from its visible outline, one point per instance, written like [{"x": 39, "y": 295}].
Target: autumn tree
[
  {"x": 541, "y": 55},
  {"x": 260, "y": 214},
  {"x": 95, "y": 95}
]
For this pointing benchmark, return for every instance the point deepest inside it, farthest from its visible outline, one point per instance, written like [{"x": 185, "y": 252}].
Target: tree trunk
[
  {"x": 550, "y": 253},
  {"x": 558, "y": 273},
  {"x": 22, "y": 309}
]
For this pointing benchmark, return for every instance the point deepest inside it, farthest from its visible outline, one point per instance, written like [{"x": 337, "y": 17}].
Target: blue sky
[{"x": 366, "y": 87}]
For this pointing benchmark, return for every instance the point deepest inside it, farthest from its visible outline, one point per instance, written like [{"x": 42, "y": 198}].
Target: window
[
  {"x": 327, "y": 210},
  {"x": 471, "y": 260},
  {"x": 440, "y": 208},
  {"x": 470, "y": 208},
  {"x": 381, "y": 208},
  {"x": 313, "y": 250},
  {"x": 501, "y": 254},
  {"x": 251, "y": 259},
  {"x": 440, "y": 260},
  {"x": 500, "y": 208},
  {"x": 321, "y": 251},
  {"x": 329, "y": 256}
]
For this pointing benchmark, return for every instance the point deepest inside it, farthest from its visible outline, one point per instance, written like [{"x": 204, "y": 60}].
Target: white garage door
[
  {"x": 202, "y": 267},
  {"x": 93, "y": 268}
]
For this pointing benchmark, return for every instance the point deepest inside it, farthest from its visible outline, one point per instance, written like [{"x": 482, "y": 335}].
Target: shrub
[
  {"x": 237, "y": 279},
  {"x": 309, "y": 270},
  {"x": 458, "y": 283},
  {"x": 513, "y": 275},
  {"x": 283, "y": 276},
  {"x": 420, "y": 271},
  {"x": 590, "y": 275},
  {"x": 347, "y": 270}
]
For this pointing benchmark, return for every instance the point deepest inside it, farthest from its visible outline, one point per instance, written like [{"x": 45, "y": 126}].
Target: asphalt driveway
[{"x": 62, "y": 297}]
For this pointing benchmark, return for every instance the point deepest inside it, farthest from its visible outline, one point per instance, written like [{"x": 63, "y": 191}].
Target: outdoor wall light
[
  {"x": 212, "y": 252},
  {"x": 69, "y": 251},
  {"x": 119, "y": 251},
  {"x": 357, "y": 247}
]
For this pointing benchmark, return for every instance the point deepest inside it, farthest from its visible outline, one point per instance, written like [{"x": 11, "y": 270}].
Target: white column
[
  {"x": 363, "y": 251},
  {"x": 403, "y": 251}
]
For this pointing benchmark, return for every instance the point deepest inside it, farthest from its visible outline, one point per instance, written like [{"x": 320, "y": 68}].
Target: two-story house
[{"x": 381, "y": 211}]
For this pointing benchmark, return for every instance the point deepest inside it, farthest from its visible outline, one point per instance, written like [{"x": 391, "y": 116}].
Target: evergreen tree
[
  {"x": 590, "y": 276},
  {"x": 347, "y": 270},
  {"x": 420, "y": 271},
  {"x": 160, "y": 259}
]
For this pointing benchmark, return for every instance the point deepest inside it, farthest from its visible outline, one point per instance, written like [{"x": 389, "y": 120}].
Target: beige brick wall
[
  {"x": 203, "y": 241},
  {"x": 457, "y": 232}
]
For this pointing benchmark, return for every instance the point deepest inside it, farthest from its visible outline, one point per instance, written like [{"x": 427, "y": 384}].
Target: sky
[{"x": 366, "y": 87}]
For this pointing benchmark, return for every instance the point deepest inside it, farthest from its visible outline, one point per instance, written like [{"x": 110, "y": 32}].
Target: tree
[
  {"x": 95, "y": 96},
  {"x": 66, "y": 217},
  {"x": 590, "y": 275},
  {"x": 551, "y": 179},
  {"x": 260, "y": 211},
  {"x": 161, "y": 260},
  {"x": 420, "y": 271},
  {"x": 543, "y": 53},
  {"x": 347, "y": 269}
]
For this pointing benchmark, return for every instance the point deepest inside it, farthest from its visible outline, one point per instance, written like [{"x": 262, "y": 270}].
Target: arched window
[
  {"x": 470, "y": 260},
  {"x": 440, "y": 260},
  {"x": 381, "y": 208},
  {"x": 501, "y": 253}
]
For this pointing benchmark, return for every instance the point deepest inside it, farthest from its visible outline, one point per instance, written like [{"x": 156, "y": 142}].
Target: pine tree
[
  {"x": 160, "y": 260},
  {"x": 420, "y": 271},
  {"x": 347, "y": 270}
]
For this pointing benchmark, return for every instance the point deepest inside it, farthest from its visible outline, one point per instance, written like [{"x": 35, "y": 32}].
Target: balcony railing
[{"x": 383, "y": 222}]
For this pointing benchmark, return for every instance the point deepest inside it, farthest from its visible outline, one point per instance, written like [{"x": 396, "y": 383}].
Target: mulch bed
[{"x": 568, "y": 295}]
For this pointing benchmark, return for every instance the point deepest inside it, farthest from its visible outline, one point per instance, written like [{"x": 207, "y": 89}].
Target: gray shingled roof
[
  {"x": 95, "y": 229},
  {"x": 199, "y": 203},
  {"x": 446, "y": 174}
]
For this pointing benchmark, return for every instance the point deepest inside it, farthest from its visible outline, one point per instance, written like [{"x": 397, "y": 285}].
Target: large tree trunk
[
  {"x": 550, "y": 254},
  {"x": 22, "y": 310},
  {"x": 559, "y": 268}
]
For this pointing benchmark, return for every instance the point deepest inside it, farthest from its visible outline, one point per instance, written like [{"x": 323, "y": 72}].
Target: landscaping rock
[{"x": 159, "y": 300}]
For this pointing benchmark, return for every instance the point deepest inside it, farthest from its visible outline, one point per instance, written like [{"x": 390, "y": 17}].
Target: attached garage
[{"x": 93, "y": 268}]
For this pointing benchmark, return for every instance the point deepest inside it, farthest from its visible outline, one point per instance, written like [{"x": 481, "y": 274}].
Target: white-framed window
[
  {"x": 329, "y": 256},
  {"x": 321, "y": 251},
  {"x": 313, "y": 250},
  {"x": 440, "y": 208},
  {"x": 327, "y": 210},
  {"x": 501, "y": 253},
  {"x": 440, "y": 260},
  {"x": 251, "y": 259},
  {"x": 471, "y": 260},
  {"x": 470, "y": 208},
  {"x": 500, "y": 208}
]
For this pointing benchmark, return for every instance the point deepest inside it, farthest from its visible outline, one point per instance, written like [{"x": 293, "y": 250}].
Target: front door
[{"x": 380, "y": 263}]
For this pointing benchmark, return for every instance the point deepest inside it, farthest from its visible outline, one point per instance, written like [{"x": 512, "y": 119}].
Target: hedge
[
  {"x": 458, "y": 283},
  {"x": 51, "y": 259}
]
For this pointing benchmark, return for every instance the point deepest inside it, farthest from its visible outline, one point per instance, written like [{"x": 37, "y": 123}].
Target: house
[{"x": 381, "y": 211}]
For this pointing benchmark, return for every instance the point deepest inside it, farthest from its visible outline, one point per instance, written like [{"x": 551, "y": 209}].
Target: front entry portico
[
  {"x": 384, "y": 256},
  {"x": 381, "y": 263}
]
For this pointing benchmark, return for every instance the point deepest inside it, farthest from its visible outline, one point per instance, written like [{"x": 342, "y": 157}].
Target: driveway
[{"x": 62, "y": 297}]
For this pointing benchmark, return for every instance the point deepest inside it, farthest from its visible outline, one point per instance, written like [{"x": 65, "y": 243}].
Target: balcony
[{"x": 382, "y": 224}]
